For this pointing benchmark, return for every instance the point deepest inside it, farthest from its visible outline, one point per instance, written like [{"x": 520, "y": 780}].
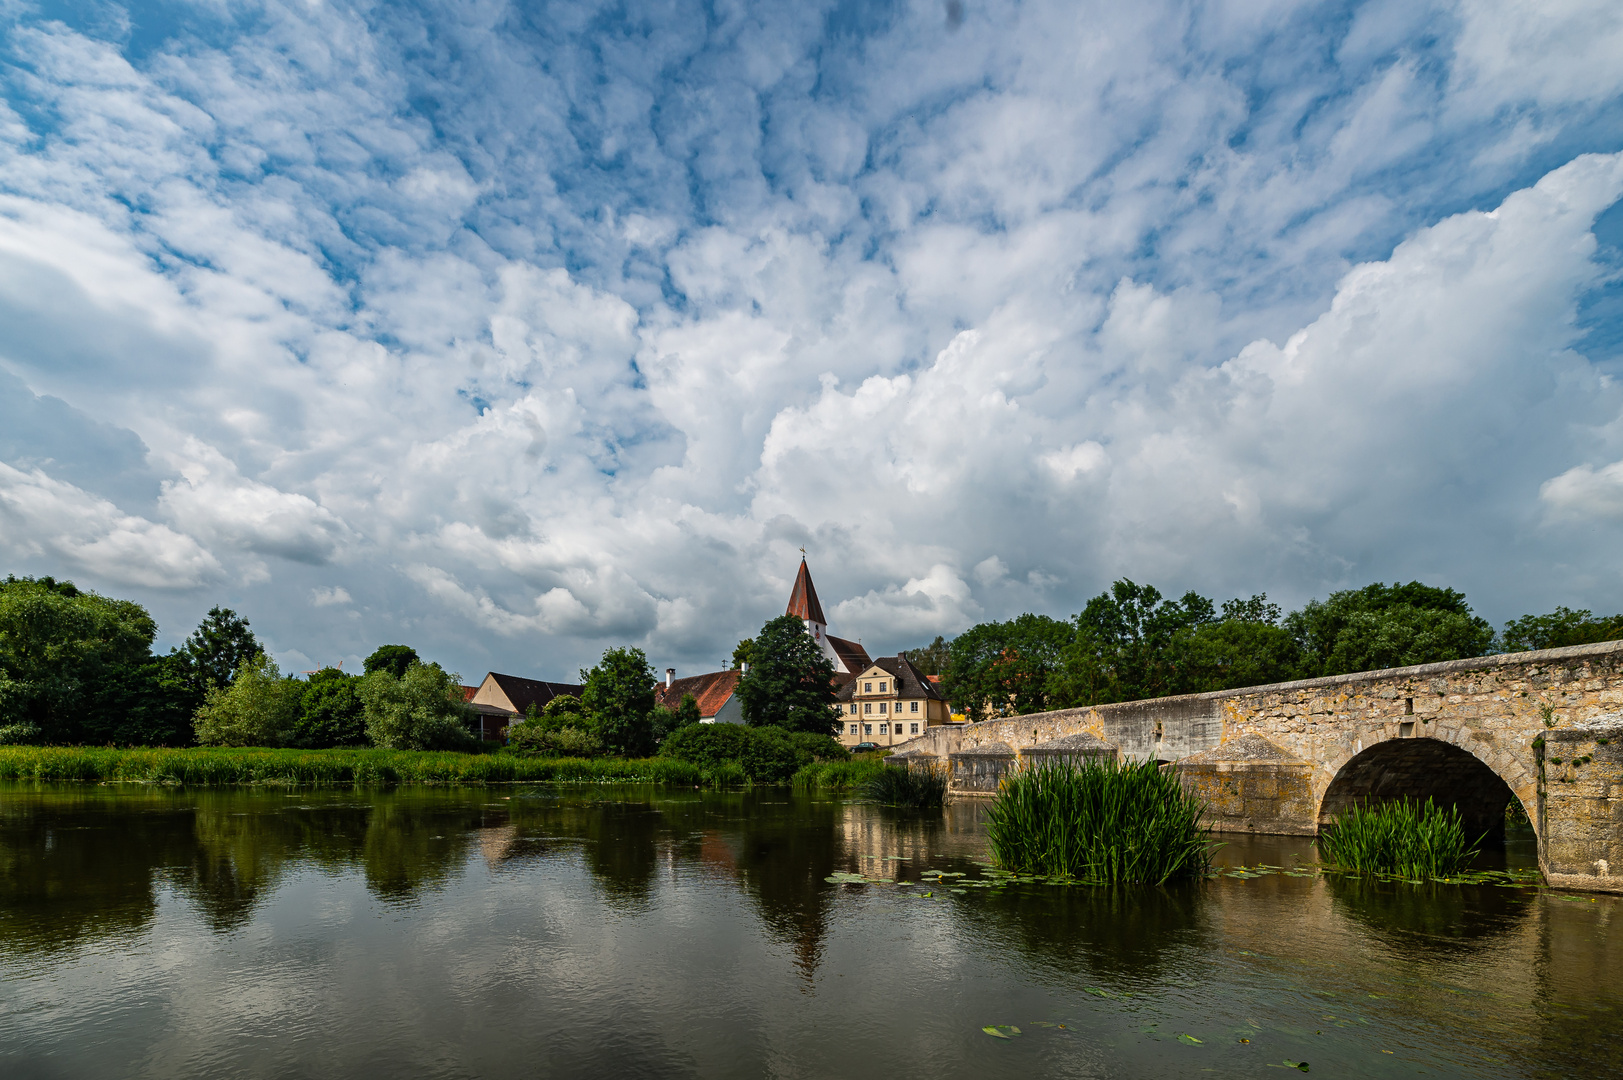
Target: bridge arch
[{"x": 1450, "y": 769}]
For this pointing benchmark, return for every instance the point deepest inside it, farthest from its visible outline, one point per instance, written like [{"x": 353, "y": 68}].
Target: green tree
[
  {"x": 150, "y": 703},
  {"x": 743, "y": 653},
  {"x": 1246, "y": 647},
  {"x": 1133, "y": 628},
  {"x": 790, "y": 683},
  {"x": 330, "y": 712},
  {"x": 930, "y": 659},
  {"x": 394, "y": 659},
  {"x": 1382, "y": 626},
  {"x": 618, "y": 696},
  {"x": 1006, "y": 668},
  {"x": 1559, "y": 628},
  {"x": 218, "y": 648},
  {"x": 63, "y": 652},
  {"x": 687, "y": 712},
  {"x": 259, "y": 708},
  {"x": 420, "y": 710}
]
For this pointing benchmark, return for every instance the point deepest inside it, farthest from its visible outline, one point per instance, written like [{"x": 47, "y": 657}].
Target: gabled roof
[
  {"x": 852, "y": 655},
  {"x": 711, "y": 691},
  {"x": 526, "y": 692},
  {"x": 910, "y": 682},
  {"x": 803, "y": 600}
]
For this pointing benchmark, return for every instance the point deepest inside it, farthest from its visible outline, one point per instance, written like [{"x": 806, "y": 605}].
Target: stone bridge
[{"x": 1545, "y": 728}]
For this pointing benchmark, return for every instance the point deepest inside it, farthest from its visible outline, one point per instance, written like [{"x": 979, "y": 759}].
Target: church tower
[{"x": 847, "y": 656}]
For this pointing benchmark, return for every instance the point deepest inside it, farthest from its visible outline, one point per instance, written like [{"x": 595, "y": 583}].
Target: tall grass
[
  {"x": 213, "y": 766},
  {"x": 899, "y": 785},
  {"x": 1098, "y": 821},
  {"x": 837, "y": 775},
  {"x": 1402, "y": 838}
]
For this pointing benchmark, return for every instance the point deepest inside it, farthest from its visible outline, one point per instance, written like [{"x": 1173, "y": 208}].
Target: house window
[
  {"x": 882, "y": 729},
  {"x": 853, "y": 729},
  {"x": 915, "y": 729},
  {"x": 867, "y": 688},
  {"x": 881, "y": 688},
  {"x": 867, "y": 706},
  {"x": 853, "y": 710},
  {"x": 913, "y": 706},
  {"x": 867, "y": 729},
  {"x": 881, "y": 706}
]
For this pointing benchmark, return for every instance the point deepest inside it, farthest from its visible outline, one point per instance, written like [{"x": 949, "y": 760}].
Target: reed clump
[
  {"x": 213, "y": 766},
  {"x": 1098, "y": 821},
  {"x": 1406, "y": 839},
  {"x": 899, "y": 785},
  {"x": 837, "y": 776}
]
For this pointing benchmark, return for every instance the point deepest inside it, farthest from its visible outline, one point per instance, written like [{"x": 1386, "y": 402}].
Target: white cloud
[
  {"x": 330, "y": 596},
  {"x": 1585, "y": 492}
]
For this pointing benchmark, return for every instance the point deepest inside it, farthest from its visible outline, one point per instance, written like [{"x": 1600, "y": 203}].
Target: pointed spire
[{"x": 803, "y": 601}]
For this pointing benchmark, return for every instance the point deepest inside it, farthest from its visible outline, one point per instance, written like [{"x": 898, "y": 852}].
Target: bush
[
  {"x": 1415, "y": 842},
  {"x": 330, "y": 712},
  {"x": 1098, "y": 822},
  {"x": 23, "y": 734},
  {"x": 900, "y": 785},
  {"x": 768, "y": 755},
  {"x": 539, "y": 740},
  {"x": 259, "y": 708},
  {"x": 848, "y": 775},
  {"x": 421, "y": 711}
]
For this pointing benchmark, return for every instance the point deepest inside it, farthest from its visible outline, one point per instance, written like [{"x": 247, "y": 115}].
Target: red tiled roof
[
  {"x": 854, "y": 656},
  {"x": 711, "y": 691},
  {"x": 803, "y": 601},
  {"x": 468, "y": 692}
]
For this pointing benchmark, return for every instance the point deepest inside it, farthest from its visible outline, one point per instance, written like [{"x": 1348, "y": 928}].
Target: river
[{"x": 634, "y": 931}]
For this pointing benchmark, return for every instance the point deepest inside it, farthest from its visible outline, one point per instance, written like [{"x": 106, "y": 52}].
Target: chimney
[{"x": 670, "y": 674}]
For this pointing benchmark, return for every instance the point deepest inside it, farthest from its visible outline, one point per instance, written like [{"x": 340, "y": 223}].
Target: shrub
[
  {"x": 423, "y": 710},
  {"x": 1401, "y": 838},
  {"x": 768, "y": 755},
  {"x": 1098, "y": 822},
  {"x": 259, "y": 708},
  {"x": 330, "y": 712},
  {"x": 900, "y": 785},
  {"x": 22, "y": 734},
  {"x": 536, "y": 740}
]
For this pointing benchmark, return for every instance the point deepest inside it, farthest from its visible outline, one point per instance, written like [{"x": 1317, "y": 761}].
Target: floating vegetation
[
  {"x": 1098, "y": 822},
  {"x": 1001, "y": 1031},
  {"x": 1403, "y": 839},
  {"x": 899, "y": 785}
]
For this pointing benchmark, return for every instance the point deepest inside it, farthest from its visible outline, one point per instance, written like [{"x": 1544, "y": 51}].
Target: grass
[
  {"x": 1412, "y": 841},
  {"x": 1098, "y": 822},
  {"x": 900, "y": 785},
  {"x": 252, "y": 765},
  {"x": 838, "y": 776}
]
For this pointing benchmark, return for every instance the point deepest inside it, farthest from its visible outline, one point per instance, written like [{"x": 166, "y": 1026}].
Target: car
[{"x": 864, "y": 747}]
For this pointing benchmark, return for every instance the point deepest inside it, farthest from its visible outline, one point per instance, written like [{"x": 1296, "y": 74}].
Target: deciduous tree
[{"x": 790, "y": 683}]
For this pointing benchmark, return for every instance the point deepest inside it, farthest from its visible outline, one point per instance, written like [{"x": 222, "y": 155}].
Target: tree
[
  {"x": 394, "y": 659},
  {"x": 687, "y": 712},
  {"x": 65, "y": 654},
  {"x": 1386, "y": 626},
  {"x": 218, "y": 648},
  {"x": 1561, "y": 627},
  {"x": 258, "y": 708},
  {"x": 420, "y": 710},
  {"x": 742, "y": 654},
  {"x": 930, "y": 659},
  {"x": 1239, "y": 650},
  {"x": 790, "y": 683},
  {"x": 1133, "y": 629},
  {"x": 1005, "y": 668},
  {"x": 330, "y": 712},
  {"x": 619, "y": 698}
]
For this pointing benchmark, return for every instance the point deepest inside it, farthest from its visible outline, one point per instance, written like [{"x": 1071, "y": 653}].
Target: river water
[{"x": 630, "y": 931}]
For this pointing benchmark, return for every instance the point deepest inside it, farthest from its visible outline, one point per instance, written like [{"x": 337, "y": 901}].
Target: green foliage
[
  {"x": 687, "y": 712},
  {"x": 790, "y": 683},
  {"x": 899, "y": 785},
  {"x": 330, "y": 712},
  {"x": 259, "y": 708},
  {"x": 146, "y": 704},
  {"x": 1133, "y": 631},
  {"x": 767, "y": 755},
  {"x": 394, "y": 659},
  {"x": 619, "y": 699},
  {"x": 218, "y": 648},
  {"x": 1234, "y": 652},
  {"x": 421, "y": 710},
  {"x": 535, "y": 740},
  {"x": 847, "y": 774},
  {"x": 23, "y": 734},
  {"x": 1098, "y": 821},
  {"x": 744, "y": 653},
  {"x": 1006, "y": 668},
  {"x": 930, "y": 659},
  {"x": 1402, "y": 838},
  {"x": 1559, "y": 628},
  {"x": 1381, "y": 626}
]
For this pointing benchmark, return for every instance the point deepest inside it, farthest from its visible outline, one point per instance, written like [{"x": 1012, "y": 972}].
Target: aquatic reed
[
  {"x": 1098, "y": 822},
  {"x": 900, "y": 785},
  {"x": 837, "y": 776},
  {"x": 217, "y": 766},
  {"x": 1403, "y": 838}
]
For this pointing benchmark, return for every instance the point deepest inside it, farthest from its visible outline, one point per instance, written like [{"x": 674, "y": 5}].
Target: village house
[
  {"x": 889, "y": 702},
  {"x": 713, "y": 692},
  {"x": 506, "y": 699}
]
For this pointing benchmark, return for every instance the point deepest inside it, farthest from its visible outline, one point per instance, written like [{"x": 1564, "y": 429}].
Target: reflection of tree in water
[
  {"x": 1125, "y": 932},
  {"x": 415, "y": 840},
  {"x": 787, "y": 847},
  {"x": 1421, "y": 921},
  {"x": 70, "y": 871}
]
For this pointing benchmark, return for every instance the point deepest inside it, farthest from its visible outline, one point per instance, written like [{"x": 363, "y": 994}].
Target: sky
[{"x": 514, "y": 332}]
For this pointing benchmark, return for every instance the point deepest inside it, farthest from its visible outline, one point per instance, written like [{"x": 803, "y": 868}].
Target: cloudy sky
[{"x": 514, "y": 331}]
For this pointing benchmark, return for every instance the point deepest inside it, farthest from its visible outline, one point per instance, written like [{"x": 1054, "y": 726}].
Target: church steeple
[{"x": 803, "y": 600}]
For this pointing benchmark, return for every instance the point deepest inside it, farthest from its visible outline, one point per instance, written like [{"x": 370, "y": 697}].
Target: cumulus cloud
[{"x": 982, "y": 316}]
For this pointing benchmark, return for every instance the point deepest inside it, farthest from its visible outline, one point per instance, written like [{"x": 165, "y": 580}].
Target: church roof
[
  {"x": 852, "y": 655},
  {"x": 803, "y": 601}
]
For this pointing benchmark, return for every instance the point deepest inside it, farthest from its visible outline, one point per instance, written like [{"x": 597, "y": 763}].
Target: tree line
[{"x": 1131, "y": 643}]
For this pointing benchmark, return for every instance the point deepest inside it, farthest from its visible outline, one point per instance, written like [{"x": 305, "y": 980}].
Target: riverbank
[{"x": 258, "y": 765}]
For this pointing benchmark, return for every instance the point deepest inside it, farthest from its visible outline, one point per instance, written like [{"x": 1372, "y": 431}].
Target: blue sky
[{"x": 517, "y": 331}]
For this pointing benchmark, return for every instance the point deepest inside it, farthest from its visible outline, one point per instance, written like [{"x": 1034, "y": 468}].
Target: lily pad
[
  {"x": 1190, "y": 1039},
  {"x": 1001, "y": 1031}
]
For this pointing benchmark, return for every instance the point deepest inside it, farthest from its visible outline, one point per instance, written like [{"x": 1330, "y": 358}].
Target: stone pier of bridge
[{"x": 1544, "y": 728}]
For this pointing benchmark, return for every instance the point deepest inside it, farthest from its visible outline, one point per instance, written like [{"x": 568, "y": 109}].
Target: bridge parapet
[{"x": 1502, "y": 711}]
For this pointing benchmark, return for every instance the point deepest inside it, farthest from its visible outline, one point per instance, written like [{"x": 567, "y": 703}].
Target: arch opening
[{"x": 1414, "y": 770}]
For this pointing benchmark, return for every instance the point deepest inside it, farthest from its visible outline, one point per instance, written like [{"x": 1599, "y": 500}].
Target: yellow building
[{"x": 889, "y": 702}]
